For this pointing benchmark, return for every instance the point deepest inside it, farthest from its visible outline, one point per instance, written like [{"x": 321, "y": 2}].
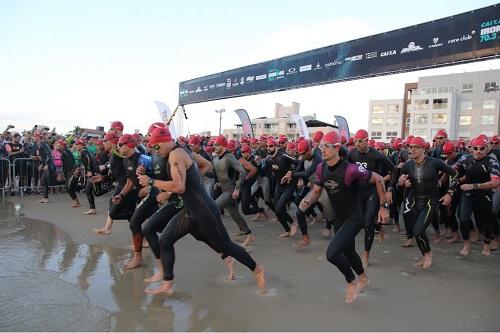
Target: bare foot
[
  {"x": 102, "y": 231},
  {"x": 486, "y": 250},
  {"x": 44, "y": 200},
  {"x": 303, "y": 243},
  {"x": 258, "y": 216},
  {"x": 166, "y": 288},
  {"x": 326, "y": 232},
  {"x": 134, "y": 262},
  {"x": 455, "y": 238},
  {"x": 259, "y": 278},
  {"x": 229, "y": 261},
  {"x": 419, "y": 263},
  {"x": 158, "y": 276},
  {"x": 90, "y": 212},
  {"x": 351, "y": 292},
  {"x": 248, "y": 240},
  {"x": 75, "y": 204},
  {"x": 362, "y": 282},
  {"x": 466, "y": 249},
  {"x": 293, "y": 229},
  {"x": 494, "y": 245},
  {"x": 408, "y": 243},
  {"x": 145, "y": 243},
  {"x": 427, "y": 260},
  {"x": 364, "y": 259},
  {"x": 285, "y": 234},
  {"x": 396, "y": 228}
]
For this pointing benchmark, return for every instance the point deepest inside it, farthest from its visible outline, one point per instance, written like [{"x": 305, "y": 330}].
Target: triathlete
[
  {"x": 421, "y": 173},
  {"x": 375, "y": 161},
  {"x": 482, "y": 175},
  {"x": 341, "y": 179},
  {"x": 201, "y": 214}
]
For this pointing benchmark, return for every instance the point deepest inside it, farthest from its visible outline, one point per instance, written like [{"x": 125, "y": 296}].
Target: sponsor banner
[
  {"x": 301, "y": 125},
  {"x": 343, "y": 127},
  {"x": 245, "y": 122},
  {"x": 457, "y": 39},
  {"x": 165, "y": 113}
]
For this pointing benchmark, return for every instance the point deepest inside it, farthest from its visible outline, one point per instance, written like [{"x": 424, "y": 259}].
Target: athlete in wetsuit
[
  {"x": 130, "y": 194},
  {"x": 375, "y": 161},
  {"x": 482, "y": 175},
  {"x": 201, "y": 214},
  {"x": 421, "y": 173},
  {"x": 305, "y": 171},
  {"x": 117, "y": 172},
  {"x": 341, "y": 180},
  {"x": 47, "y": 168},
  {"x": 226, "y": 168}
]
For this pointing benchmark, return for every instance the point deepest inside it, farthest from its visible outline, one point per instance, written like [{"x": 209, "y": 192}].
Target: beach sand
[{"x": 60, "y": 275}]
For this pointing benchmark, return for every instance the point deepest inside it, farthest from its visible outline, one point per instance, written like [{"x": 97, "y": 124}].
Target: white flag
[
  {"x": 165, "y": 113},
  {"x": 301, "y": 126}
]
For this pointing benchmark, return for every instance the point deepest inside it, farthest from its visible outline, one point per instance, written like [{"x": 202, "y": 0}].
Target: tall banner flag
[
  {"x": 301, "y": 125},
  {"x": 165, "y": 113},
  {"x": 342, "y": 127},
  {"x": 245, "y": 122}
]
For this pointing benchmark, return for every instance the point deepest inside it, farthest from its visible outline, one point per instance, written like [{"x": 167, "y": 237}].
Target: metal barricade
[
  {"x": 5, "y": 176},
  {"x": 25, "y": 175}
]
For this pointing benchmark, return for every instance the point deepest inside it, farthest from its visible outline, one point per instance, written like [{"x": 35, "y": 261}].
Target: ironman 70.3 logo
[{"x": 490, "y": 30}]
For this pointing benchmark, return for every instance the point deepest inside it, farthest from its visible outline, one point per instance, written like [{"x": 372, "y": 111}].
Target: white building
[
  {"x": 385, "y": 119},
  {"x": 464, "y": 104}
]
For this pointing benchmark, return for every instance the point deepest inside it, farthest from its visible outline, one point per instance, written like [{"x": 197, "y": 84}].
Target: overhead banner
[
  {"x": 245, "y": 122},
  {"x": 343, "y": 127},
  {"x": 466, "y": 37},
  {"x": 301, "y": 125},
  {"x": 165, "y": 113}
]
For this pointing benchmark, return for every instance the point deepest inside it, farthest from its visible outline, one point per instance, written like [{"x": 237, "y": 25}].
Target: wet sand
[{"x": 61, "y": 276}]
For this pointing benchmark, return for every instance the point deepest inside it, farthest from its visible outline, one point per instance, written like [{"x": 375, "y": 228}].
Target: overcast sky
[{"x": 64, "y": 63}]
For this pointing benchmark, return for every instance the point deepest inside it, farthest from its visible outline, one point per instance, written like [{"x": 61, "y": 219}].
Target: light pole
[{"x": 220, "y": 111}]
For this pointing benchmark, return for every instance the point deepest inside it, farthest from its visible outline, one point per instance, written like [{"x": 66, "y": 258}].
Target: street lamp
[{"x": 220, "y": 111}]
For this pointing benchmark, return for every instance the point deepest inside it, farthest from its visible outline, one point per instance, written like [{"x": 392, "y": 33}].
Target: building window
[
  {"x": 393, "y": 108},
  {"x": 292, "y": 126},
  {"x": 407, "y": 122},
  {"x": 440, "y": 103},
  {"x": 392, "y": 121},
  {"x": 466, "y": 105},
  {"x": 267, "y": 126},
  {"x": 466, "y": 88},
  {"x": 376, "y": 135},
  {"x": 490, "y": 86},
  {"x": 488, "y": 104},
  {"x": 465, "y": 120},
  {"x": 378, "y": 109},
  {"x": 464, "y": 134},
  {"x": 377, "y": 121},
  {"x": 421, "y": 133},
  {"x": 420, "y": 119},
  {"x": 488, "y": 119},
  {"x": 390, "y": 135},
  {"x": 421, "y": 104},
  {"x": 439, "y": 118}
]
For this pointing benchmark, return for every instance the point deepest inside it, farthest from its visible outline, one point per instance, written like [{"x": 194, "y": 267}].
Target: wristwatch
[
  {"x": 385, "y": 205},
  {"x": 151, "y": 181}
]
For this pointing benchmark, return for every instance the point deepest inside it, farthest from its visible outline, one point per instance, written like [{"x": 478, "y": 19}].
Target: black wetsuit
[
  {"x": 47, "y": 176},
  {"x": 159, "y": 220},
  {"x": 477, "y": 201},
  {"x": 368, "y": 200},
  {"x": 200, "y": 217},
  {"x": 422, "y": 202},
  {"x": 124, "y": 210},
  {"x": 246, "y": 192},
  {"x": 341, "y": 184}
]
